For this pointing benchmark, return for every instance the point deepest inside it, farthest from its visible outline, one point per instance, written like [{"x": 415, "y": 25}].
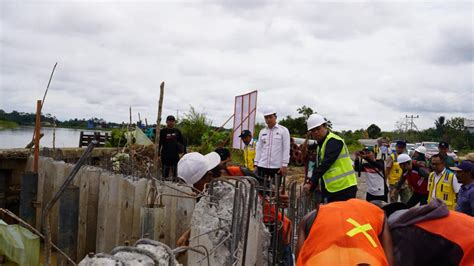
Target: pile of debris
[{"x": 144, "y": 252}]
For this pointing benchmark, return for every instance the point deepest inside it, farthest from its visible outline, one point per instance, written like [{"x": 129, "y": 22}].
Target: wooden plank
[
  {"x": 88, "y": 205},
  {"x": 111, "y": 218},
  {"x": 139, "y": 201},
  {"x": 41, "y": 191},
  {"x": 92, "y": 210},
  {"x": 126, "y": 199},
  {"x": 60, "y": 171},
  {"x": 102, "y": 212}
]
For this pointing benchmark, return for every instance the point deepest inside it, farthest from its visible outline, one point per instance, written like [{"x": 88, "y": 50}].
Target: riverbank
[{"x": 7, "y": 124}]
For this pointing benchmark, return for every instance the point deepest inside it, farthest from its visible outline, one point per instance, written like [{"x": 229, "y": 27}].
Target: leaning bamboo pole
[{"x": 158, "y": 128}]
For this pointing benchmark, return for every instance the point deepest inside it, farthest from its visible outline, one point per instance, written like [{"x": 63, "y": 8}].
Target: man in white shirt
[{"x": 273, "y": 147}]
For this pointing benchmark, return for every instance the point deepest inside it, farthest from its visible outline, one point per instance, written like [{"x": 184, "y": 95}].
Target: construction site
[
  {"x": 358, "y": 149},
  {"x": 89, "y": 214}
]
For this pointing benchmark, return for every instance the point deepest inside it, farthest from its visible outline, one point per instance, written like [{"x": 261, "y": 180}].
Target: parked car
[
  {"x": 432, "y": 149},
  {"x": 411, "y": 148}
]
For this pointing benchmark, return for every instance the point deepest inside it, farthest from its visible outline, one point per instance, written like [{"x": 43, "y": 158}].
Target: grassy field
[{"x": 7, "y": 124}]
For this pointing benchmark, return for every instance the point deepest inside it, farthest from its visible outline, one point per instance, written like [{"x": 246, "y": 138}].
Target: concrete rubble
[{"x": 211, "y": 227}]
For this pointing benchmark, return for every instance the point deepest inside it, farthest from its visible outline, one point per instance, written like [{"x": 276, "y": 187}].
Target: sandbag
[{"x": 19, "y": 245}]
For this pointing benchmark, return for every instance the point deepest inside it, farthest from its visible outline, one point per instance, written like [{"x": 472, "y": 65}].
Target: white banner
[{"x": 245, "y": 110}]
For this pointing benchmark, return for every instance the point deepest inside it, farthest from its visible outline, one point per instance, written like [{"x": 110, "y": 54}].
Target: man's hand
[
  {"x": 283, "y": 170},
  {"x": 184, "y": 239},
  {"x": 394, "y": 193}
]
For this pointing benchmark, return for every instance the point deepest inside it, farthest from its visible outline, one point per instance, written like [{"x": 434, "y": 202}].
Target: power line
[{"x": 410, "y": 123}]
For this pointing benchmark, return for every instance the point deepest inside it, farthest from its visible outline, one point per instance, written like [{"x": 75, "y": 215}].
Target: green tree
[
  {"x": 374, "y": 131},
  {"x": 439, "y": 125},
  {"x": 305, "y": 111},
  {"x": 193, "y": 126},
  {"x": 296, "y": 126}
]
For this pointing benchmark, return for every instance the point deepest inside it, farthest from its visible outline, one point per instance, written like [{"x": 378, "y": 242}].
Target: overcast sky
[{"x": 355, "y": 63}]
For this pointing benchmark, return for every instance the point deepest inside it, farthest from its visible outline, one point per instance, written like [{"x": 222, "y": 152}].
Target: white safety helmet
[
  {"x": 268, "y": 110},
  {"x": 315, "y": 120},
  {"x": 421, "y": 149},
  {"x": 193, "y": 166},
  {"x": 403, "y": 158}
]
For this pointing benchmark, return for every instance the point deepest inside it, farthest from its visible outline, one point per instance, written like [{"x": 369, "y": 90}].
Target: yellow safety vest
[
  {"x": 249, "y": 155},
  {"x": 444, "y": 189},
  {"x": 395, "y": 172},
  {"x": 340, "y": 174}
]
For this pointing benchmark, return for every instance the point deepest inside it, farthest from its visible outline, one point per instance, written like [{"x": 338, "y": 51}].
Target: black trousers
[
  {"x": 417, "y": 198},
  {"x": 270, "y": 172},
  {"x": 369, "y": 197},
  {"x": 169, "y": 171},
  {"x": 343, "y": 195}
]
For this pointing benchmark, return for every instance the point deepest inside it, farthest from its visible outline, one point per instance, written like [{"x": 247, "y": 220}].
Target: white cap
[
  {"x": 315, "y": 120},
  {"x": 193, "y": 166},
  {"x": 421, "y": 149},
  {"x": 403, "y": 158},
  {"x": 268, "y": 110}
]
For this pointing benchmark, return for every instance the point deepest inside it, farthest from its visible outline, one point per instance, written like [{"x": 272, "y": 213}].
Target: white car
[{"x": 432, "y": 149}]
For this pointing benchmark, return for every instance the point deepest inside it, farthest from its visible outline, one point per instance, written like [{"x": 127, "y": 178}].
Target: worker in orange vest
[
  {"x": 352, "y": 232},
  {"x": 431, "y": 235}
]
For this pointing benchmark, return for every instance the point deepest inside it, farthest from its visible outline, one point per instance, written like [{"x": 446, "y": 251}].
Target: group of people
[
  {"x": 416, "y": 180},
  {"x": 343, "y": 230}
]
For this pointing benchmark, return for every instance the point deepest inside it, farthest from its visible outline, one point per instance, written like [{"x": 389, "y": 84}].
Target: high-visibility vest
[
  {"x": 234, "y": 171},
  {"x": 456, "y": 227},
  {"x": 345, "y": 233},
  {"x": 395, "y": 172},
  {"x": 249, "y": 155},
  {"x": 340, "y": 174},
  {"x": 444, "y": 189}
]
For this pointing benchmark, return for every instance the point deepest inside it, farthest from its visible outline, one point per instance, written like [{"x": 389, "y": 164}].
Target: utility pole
[{"x": 410, "y": 123}]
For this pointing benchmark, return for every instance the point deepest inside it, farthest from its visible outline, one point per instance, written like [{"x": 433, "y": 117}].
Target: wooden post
[
  {"x": 130, "y": 124},
  {"x": 80, "y": 138},
  {"x": 37, "y": 134},
  {"x": 158, "y": 126}
]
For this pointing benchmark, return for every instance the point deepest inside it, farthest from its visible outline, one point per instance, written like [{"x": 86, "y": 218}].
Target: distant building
[{"x": 469, "y": 123}]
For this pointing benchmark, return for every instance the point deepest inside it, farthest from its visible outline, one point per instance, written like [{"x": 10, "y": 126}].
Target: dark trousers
[
  {"x": 417, "y": 198},
  {"x": 383, "y": 156},
  {"x": 267, "y": 172},
  {"x": 343, "y": 195},
  {"x": 369, "y": 197},
  {"x": 169, "y": 171}
]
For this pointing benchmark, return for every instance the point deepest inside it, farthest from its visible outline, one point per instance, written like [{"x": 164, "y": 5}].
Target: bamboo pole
[
  {"x": 37, "y": 133},
  {"x": 44, "y": 95},
  {"x": 158, "y": 127}
]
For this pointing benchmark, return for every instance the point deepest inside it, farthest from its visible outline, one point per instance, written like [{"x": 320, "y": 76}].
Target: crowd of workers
[{"x": 416, "y": 212}]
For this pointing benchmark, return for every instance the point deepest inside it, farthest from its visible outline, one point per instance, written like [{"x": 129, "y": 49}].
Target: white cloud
[{"x": 355, "y": 63}]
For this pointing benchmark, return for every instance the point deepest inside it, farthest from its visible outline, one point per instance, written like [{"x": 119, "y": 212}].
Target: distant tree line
[
  {"x": 451, "y": 130},
  {"x": 28, "y": 119}
]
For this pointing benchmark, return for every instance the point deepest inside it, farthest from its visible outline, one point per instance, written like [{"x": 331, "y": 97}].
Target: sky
[{"x": 356, "y": 63}]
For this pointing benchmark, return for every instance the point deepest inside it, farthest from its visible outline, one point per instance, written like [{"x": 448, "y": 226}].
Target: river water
[{"x": 21, "y": 136}]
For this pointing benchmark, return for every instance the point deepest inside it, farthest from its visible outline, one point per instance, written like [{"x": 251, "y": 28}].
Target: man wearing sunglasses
[{"x": 334, "y": 175}]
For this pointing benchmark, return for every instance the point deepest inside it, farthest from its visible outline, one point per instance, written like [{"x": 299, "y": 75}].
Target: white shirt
[
  {"x": 273, "y": 147},
  {"x": 456, "y": 185}
]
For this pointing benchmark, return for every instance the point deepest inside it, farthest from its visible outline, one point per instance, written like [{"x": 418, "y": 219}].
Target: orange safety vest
[
  {"x": 345, "y": 233},
  {"x": 456, "y": 227},
  {"x": 234, "y": 171},
  {"x": 269, "y": 216},
  {"x": 268, "y": 210}
]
